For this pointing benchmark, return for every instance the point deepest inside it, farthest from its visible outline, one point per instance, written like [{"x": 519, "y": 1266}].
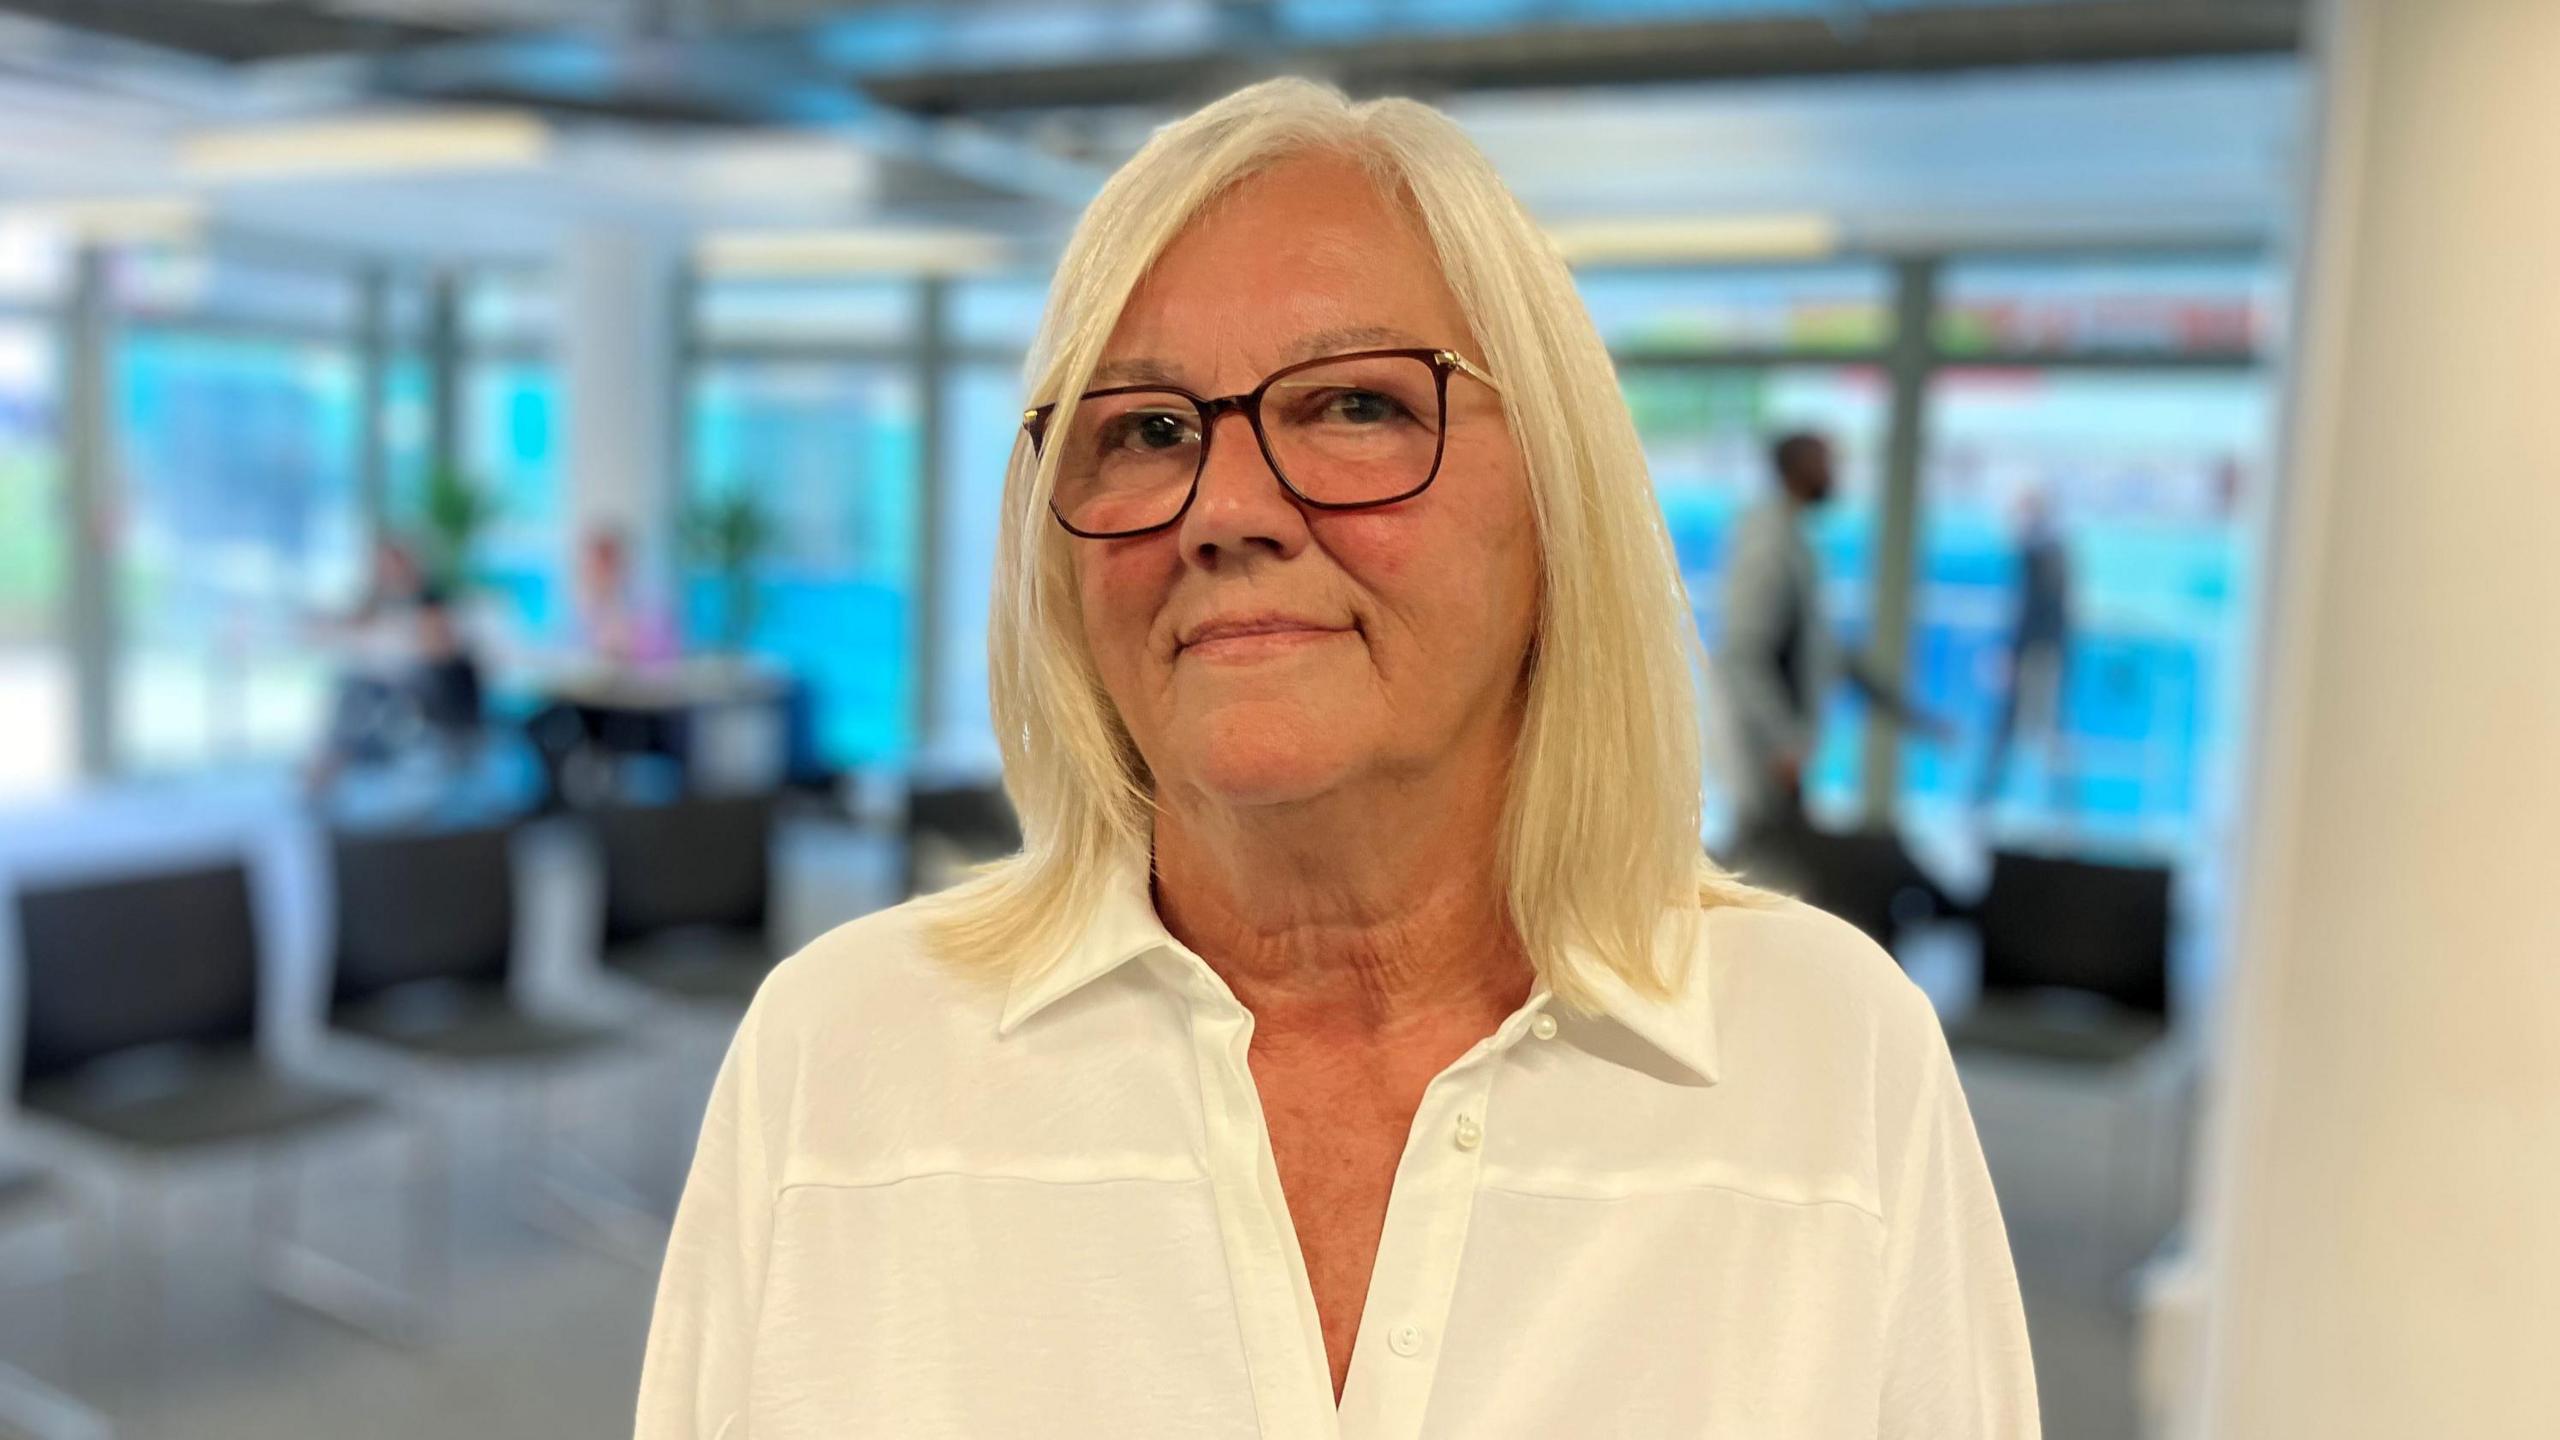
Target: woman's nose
[{"x": 1240, "y": 508}]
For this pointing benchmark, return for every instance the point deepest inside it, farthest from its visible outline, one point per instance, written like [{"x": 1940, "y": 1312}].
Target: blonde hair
[{"x": 1601, "y": 825}]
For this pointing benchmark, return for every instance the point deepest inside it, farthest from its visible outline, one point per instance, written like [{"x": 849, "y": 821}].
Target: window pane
[
  {"x": 1813, "y": 308},
  {"x": 191, "y": 285},
  {"x": 238, "y": 518},
  {"x": 2130, "y": 648},
  {"x": 407, "y": 306},
  {"x": 35, "y": 263},
  {"x": 1706, "y": 433},
  {"x": 1003, "y": 312},
  {"x": 829, "y": 453},
  {"x": 508, "y": 307},
  {"x": 511, "y": 450},
  {"x": 408, "y": 418},
  {"x": 982, "y": 416},
  {"x": 35, "y": 673},
  {"x": 784, "y": 311},
  {"x": 2150, "y": 307}
]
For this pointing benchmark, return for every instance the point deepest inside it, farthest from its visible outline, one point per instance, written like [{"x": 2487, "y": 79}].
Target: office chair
[
  {"x": 140, "y": 1050},
  {"x": 952, "y": 827},
  {"x": 2075, "y": 991},
  {"x": 424, "y": 974},
  {"x": 1866, "y": 877},
  {"x": 687, "y": 900},
  {"x": 2075, "y": 960}
]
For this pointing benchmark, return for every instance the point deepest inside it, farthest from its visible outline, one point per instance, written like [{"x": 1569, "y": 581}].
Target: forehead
[{"x": 1308, "y": 257}]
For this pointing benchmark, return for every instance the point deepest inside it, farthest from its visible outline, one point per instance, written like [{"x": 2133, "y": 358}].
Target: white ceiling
[{"x": 2200, "y": 149}]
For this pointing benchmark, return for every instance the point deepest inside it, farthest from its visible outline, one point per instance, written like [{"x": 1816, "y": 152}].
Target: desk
[{"x": 722, "y": 723}]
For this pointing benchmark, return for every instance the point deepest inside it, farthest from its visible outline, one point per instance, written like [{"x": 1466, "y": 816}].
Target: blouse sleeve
[
  {"x": 693, "y": 1377},
  {"x": 1955, "y": 1354}
]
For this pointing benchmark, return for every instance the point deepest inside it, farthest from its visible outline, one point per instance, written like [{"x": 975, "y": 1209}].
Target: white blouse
[{"x": 926, "y": 1207}]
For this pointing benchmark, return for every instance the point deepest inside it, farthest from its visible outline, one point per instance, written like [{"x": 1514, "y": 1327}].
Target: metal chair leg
[
  {"x": 298, "y": 1273},
  {"x": 570, "y": 1195},
  {"x": 30, "y": 1405}
]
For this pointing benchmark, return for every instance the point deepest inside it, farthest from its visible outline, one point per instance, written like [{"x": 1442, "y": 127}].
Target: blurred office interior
[{"x": 658, "y": 362}]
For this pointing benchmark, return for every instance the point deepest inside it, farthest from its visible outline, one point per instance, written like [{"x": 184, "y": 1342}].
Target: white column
[
  {"x": 618, "y": 343},
  {"x": 2381, "y": 1202}
]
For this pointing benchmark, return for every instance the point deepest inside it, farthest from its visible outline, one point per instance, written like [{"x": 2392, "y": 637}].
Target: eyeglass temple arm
[{"x": 1456, "y": 361}]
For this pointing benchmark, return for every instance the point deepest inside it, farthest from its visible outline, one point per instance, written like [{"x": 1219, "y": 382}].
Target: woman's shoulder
[
  {"x": 1793, "y": 968},
  {"x": 877, "y": 971}
]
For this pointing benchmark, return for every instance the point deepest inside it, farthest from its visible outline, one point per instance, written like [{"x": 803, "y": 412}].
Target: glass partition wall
[{"x": 2068, "y": 465}]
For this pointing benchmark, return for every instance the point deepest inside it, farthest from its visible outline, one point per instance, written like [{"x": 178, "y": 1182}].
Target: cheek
[
  {"x": 1465, "y": 563},
  {"x": 1120, "y": 588}
]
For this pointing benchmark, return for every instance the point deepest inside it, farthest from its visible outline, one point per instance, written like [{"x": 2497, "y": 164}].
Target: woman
[{"x": 1360, "y": 1045}]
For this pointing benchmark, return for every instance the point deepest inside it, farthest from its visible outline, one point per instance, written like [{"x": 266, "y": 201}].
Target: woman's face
[{"x": 1264, "y": 653}]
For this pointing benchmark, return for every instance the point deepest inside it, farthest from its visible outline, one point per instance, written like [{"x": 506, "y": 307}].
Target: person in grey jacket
[{"x": 1778, "y": 658}]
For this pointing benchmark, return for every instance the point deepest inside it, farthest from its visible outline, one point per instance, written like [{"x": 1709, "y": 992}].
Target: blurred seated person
[
  {"x": 408, "y": 679},
  {"x": 616, "y": 694},
  {"x": 619, "y": 625}
]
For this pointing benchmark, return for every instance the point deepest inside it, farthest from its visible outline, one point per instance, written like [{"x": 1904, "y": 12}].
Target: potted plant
[
  {"x": 727, "y": 534},
  {"x": 453, "y": 511}
]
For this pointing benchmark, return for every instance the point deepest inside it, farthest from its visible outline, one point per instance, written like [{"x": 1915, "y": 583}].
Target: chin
[{"x": 1268, "y": 753}]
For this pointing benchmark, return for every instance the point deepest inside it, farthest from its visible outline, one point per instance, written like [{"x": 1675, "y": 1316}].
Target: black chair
[
  {"x": 2075, "y": 960},
  {"x": 140, "y": 1045},
  {"x": 425, "y": 969},
  {"x": 951, "y": 827},
  {"x": 687, "y": 896},
  {"x": 1865, "y": 877},
  {"x": 2075, "y": 996},
  {"x": 424, "y": 959}
]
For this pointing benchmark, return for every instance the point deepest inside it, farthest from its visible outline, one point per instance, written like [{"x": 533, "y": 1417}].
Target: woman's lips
[{"x": 1244, "y": 639}]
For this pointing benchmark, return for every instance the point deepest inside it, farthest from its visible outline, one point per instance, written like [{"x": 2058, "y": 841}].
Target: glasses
[{"x": 1343, "y": 433}]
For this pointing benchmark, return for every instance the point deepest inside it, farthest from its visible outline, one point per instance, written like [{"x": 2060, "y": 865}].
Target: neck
[{"x": 1354, "y": 917}]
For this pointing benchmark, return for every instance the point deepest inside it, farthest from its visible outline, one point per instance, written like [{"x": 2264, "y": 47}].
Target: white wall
[{"x": 2381, "y": 1203}]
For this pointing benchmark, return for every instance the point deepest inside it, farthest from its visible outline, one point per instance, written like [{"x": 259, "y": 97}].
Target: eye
[
  {"x": 1151, "y": 430},
  {"x": 1361, "y": 407}
]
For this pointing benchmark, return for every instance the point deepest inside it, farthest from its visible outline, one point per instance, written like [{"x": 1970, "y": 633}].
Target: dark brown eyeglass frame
[{"x": 1443, "y": 363}]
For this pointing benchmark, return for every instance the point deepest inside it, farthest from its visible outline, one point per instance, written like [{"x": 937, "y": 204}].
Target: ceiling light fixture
[
  {"x": 1673, "y": 240},
  {"x": 836, "y": 252},
  {"x": 368, "y": 144}
]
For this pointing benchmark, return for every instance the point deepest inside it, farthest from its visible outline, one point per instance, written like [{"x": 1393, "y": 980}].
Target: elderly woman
[{"x": 1361, "y": 1045}]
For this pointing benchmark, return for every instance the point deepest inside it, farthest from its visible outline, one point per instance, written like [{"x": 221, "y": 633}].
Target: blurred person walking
[
  {"x": 1778, "y": 658},
  {"x": 2038, "y": 652}
]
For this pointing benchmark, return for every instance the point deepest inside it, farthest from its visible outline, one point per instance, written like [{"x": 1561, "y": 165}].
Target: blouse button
[
  {"x": 1405, "y": 1340},
  {"x": 1544, "y": 1027},
  {"x": 1470, "y": 1134}
]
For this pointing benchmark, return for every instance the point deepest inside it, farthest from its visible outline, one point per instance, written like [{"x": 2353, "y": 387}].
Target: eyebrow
[{"x": 1148, "y": 370}]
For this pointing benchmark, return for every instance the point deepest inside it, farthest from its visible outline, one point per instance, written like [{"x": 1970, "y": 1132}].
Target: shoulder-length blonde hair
[{"x": 1601, "y": 826}]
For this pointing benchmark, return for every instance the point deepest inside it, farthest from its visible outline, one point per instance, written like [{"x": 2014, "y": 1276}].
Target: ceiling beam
[
  {"x": 1851, "y": 42},
  {"x": 233, "y": 33}
]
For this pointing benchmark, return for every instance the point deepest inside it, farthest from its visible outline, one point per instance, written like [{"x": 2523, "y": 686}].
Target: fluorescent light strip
[
  {"x": 1650, "y": 241},
  {"x": 111, "y": 219},
  {"x": 836, "y": 252},
  {"x": 434, "y": 140}
]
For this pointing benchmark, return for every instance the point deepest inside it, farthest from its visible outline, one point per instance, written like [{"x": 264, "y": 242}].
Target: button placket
[
  {"x": 1417, "y": 1265},
  {"x": 1284, "y": 1347}
]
